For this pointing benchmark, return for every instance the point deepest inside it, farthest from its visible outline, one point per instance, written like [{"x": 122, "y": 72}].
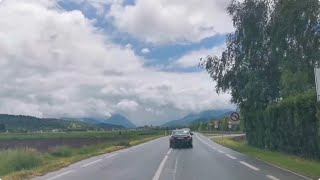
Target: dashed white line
[
  {"x": 249, "y": 166},
  {"x": 93, "y": 162},
  {"x": 230, "y": 156},
  {"x": 111, "y": 155},
  {"x": 175, "y": 169},
  {"x": 220, "y": 151},
  {"x": 157, "y": 175},
  {"x": 62, "y": 174},
  {"x": 272, "y": 177}
]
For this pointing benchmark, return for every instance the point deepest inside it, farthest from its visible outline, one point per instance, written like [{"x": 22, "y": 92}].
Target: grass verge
[
  {"x": 302, "y": 166},
  {"x": 58, "y": 158}
]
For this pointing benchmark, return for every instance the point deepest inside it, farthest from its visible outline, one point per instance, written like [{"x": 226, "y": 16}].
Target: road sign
[
  {"x": 229, "y": 126},
  {"x": 234, "y": 122},
  {"x": 234, "y": 116},
  {"x": 216, "y": 124},
  {"x": 317, "y": 78}
]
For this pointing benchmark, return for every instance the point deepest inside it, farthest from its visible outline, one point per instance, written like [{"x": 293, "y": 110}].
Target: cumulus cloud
[
  {"x": 171, "y": 21},
  {"x": 192, "y": 58},
  {"x": 145, "y": 51},
  {"x": 55, "y": 63},
  {"x": 127, "y": 105}
]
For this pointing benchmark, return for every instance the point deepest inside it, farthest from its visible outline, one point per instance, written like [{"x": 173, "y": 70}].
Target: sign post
[{"x": 317, "y": 79}]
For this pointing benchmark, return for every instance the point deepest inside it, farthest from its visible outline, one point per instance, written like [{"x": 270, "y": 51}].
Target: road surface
[{"x": 154, "y": 160}]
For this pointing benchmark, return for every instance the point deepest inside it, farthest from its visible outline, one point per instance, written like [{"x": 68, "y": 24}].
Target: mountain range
[
  {"x": 29, "y": 123},
  {"x": 203, "y": 116},
  {"x": 115, "y": 119}
]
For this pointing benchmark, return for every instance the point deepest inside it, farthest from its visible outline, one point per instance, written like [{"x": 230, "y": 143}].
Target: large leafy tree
[
  {"x": 272, "y": 52},
  {"x": 269, "y": 57},
  {"x": 245, "y": 69}
]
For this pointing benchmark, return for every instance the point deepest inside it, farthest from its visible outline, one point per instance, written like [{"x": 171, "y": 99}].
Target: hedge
[{"x": 291, "y": 125}]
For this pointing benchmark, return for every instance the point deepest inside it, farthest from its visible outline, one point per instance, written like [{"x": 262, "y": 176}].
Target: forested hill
[{"x": 29, "y": 123}]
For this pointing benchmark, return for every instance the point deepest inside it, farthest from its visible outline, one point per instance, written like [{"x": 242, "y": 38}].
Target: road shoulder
[{"x": 293, "y": 164}]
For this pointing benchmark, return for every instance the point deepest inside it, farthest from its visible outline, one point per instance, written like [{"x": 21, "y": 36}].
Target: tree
[{"x": 269, "y": 57}]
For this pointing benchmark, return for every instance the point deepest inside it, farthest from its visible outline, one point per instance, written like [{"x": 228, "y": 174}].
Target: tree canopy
[{"x": 271, "y": 54}]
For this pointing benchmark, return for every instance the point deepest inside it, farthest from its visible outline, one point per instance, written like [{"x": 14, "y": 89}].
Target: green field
[
  {"x": 25, "y": 162},
  {"x": 85, "y": 134},
  {"x": 300, "y": 165}
]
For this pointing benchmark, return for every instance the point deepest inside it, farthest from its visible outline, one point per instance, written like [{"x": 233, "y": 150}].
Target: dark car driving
[{"x": 181, "y": 138}]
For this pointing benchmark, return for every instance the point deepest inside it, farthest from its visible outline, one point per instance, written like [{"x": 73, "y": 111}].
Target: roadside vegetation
[
  {"x": 268, "y": 68},
  {"x": 307, "y": 167},
  {"x": 27, "y": 162}
]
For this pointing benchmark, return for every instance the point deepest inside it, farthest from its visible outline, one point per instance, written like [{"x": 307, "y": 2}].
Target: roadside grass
[
  {"x": 310, "y": 168},
  {"x": 38, "y": 164},
  {"x": 212, "y": 134},
  {"x": 61, "y": 151},
  {"x": 20, "y": 159}
]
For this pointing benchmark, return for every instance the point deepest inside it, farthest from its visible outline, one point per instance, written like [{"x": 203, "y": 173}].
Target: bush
[
  {"x": 291, "y": 125},
  {"x": 61, "y": 151},
  {"x": 20, "y": 159}
]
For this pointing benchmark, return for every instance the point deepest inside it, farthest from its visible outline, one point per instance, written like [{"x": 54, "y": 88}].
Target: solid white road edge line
[
  {"x": 125, "y": 150},
  {"x": 272, "y": 177},
  {"x": 111, "y": 155},
  {"x": 300, "y": 175},
  {"x": 93, "y": 162},
  {"x": 286, "y": 170},
  {"x": 249, "y": 166},
  {"x": 158, "y": 173},
  {"x": 230, "y": 156},
  {"x": 59, "y": 175}
]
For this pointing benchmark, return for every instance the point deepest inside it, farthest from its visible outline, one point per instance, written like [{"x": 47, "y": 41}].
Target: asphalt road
[{"x": 154, "y": 160}]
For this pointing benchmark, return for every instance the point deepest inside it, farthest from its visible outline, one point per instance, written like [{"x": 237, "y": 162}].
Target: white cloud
[
  {"x": 127, "y": 105},
  {"x": 192, "y": 58},
  {"x": 172, "y": 21},
  {"x": 145, "y": 51},
  {"x": 56, "y": 63}
]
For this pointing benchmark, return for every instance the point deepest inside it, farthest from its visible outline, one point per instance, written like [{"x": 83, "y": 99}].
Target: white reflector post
[{"x": 317, "y": 78}]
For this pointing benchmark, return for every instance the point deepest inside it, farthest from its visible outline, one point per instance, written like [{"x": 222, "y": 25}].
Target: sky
[{"x": 94, "y": 58}]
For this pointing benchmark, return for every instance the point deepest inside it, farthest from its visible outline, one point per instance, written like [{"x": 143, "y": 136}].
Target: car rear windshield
[{"x": 180, "y": 133}]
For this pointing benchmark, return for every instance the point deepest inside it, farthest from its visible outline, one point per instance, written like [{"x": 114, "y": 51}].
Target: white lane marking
[
  {"x": 272, "y": 177},
  {"x": 111, "y": 155},
  {"x": 230, "y": 156},
  {"x": 93, "y": 162},
  {"x": 59, "y": 175},
  {"x": 220, "y": 151},
  {"x": 159, "y": 170},
  {"x": 169, "y": 151},
  {"x": 249, "y": 166},
  {"x": 175, "y": 169}
]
